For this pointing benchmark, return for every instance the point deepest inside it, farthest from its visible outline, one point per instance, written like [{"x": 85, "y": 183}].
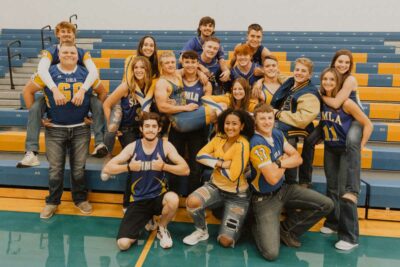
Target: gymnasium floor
[{"x": 74, "y": 240}]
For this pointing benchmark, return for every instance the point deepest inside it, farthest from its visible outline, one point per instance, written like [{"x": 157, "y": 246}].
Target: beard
[{"x": 150, "y": 139}]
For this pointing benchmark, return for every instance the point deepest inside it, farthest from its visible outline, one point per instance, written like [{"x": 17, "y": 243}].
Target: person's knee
[
  {"x": 327, "y": 205},
  {"x": 226, "y": 241},
  {"x": 125, "y": 243},
  {"x": 193, "y": 202},
  {"x": 171, "y": 199},
  {"x": 270, "y": 255}
]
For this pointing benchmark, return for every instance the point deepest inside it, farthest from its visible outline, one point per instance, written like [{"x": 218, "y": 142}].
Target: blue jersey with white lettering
[
  {"x": 194, "y": 93},
  {"x": 131, "y": 110},
  {"x": 147, "y": 184},
  {"x": 335, "y": 125},
  {"x": 265, "y": 151},
  {"x": 68, "y": 84}
]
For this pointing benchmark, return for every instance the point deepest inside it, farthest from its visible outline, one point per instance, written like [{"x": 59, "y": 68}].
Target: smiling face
[
  {"x": 139, "y": 70},
  {"x": 68, "y": 55},
  {"x": 238, "y": 91},
  {"x": 265, "y": 122},
  {"x": 243, "y": 60},
  {"x": 189, "y": 65},
  {"x": 271, "y": 69},
  {"x": 232, "y": 126},
  {"x": 206, "y": 30},
  {"x": 210, "y": 49},
  {"x": 150, "y": 129},
  {"x": 329, "y": 83},
  {"x": 254, "y": 38},
  {"x": 342, "y": 64},
  {"x": 148, "y": 47},
  {"x": 65, "y": 35},
  {"x": 168, "y": 65},
  {"x": 301, "y": 73}
]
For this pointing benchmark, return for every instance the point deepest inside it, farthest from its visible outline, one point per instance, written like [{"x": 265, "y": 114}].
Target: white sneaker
[
  {"x": 164, "y": 237},
  {"x": 344, "y": 245},
  {"x": 151, "y": 225},
  {"x": 327, "y": 230},
  {"x": 29, "y": 160},
  {"x": 100, "y": 151},
  {"x": 196, "y": 237}
]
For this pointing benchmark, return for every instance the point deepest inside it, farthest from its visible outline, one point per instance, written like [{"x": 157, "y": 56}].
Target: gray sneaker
[
  {"x": 85, "y": 207},
  {"x": 48, "y": 211},
  {"x": 29, "y": 160}
]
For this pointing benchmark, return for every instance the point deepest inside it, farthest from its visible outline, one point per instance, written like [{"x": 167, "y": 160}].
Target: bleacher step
[
  {"x": 7, "y": 95},
  {"x": 10, "y": 103},
  {"x": 17, "y": 80},
  {"x": 25, "y": 69},
  {"x": 19, "y": 75},
  {"x": 8, "y": 87}
]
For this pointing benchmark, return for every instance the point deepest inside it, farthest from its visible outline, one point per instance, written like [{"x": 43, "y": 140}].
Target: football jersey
[
  {"x": 265, "y": 151},
  {"x": 68, "y": 84}
]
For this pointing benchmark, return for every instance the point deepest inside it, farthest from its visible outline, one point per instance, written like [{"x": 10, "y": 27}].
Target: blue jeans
[
  {"x": 129, "y": 134},
  {"x": 344, "y": 217},
  {"x": 59, "y": 142},
  {"x": 236, "y": 206},
  {"x": 36, "y": 113},
  {"x": 96, "y": 108},
  {"x": 353, "y": 153},
  {"x": 267, "y": 211},
  {"x": 34, "y": 122}
]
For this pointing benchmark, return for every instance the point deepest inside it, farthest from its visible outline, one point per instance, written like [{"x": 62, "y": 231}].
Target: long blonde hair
[{"x": 133, "y": 82}]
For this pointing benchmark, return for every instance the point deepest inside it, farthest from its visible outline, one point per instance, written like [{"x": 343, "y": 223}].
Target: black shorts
[{"x": 137, "y": 215}]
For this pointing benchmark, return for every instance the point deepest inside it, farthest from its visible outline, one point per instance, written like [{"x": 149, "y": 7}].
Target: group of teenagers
[{"x": 231, "y": 130}]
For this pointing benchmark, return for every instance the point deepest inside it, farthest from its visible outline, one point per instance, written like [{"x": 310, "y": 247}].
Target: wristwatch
[{"x": 279, "y": 163}]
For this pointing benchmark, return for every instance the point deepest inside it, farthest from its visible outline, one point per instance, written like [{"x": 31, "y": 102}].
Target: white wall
[{"x": 337, "y": 15}]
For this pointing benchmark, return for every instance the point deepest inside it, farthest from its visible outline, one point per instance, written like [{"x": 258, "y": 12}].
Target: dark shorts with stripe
[{"x": 137, "y": 215}]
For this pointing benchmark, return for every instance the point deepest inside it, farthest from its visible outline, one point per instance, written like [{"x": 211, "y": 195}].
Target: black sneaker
[
  {"x": 100, "y": 151},
  {"x": 289, "y": 239}
]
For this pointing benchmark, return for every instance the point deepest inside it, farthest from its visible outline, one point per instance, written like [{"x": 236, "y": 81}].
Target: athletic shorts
[{"x": 137, "y": 215}]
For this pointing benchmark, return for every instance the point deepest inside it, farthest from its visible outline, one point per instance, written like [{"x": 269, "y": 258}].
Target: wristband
[
  {"x": 279, "y": 163},
  {"x": 129, "y": 168}
]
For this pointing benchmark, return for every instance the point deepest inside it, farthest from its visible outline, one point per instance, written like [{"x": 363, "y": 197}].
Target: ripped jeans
[{"x": 235, "y": 209}]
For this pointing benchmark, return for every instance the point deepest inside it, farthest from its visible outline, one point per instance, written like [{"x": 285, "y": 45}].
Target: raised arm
[
  {"x": 119, "y": 164},
  {"x": 179, "y": 166}
]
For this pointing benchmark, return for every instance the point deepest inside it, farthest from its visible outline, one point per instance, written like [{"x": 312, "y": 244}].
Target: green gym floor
[{"x": 67, "y": 240}]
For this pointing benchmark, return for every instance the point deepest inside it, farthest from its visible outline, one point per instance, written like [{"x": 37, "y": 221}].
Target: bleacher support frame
[{"x": 9, "y": 60}]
